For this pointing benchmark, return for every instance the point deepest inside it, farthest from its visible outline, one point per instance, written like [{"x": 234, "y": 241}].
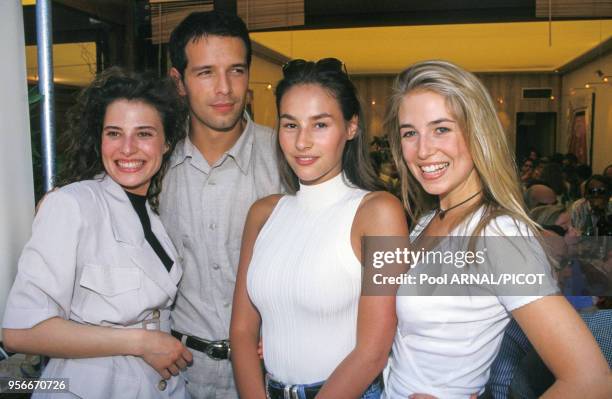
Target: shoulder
[
  {"x": 497, "y": 225},
  {"x": 77, "y": 193},
  {"x": 506, "y": 225},
  {"x": 263, "y": 137},
  {"x": 178, "y": 155},
  {"x": 380, "y": 203},
  {"x": 68, "y": 204},
  {"x": 262, "y": 131},
  {"x": 578, "y": 205},
  {"x": 262, "y": 209},
  {"x": 381, "y": 213}
]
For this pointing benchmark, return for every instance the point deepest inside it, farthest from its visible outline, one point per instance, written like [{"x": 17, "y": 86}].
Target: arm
[
  {"x": 41, "y": 299},
  {"x": 380, "y": 214},
  {"x": 61, "y": 338},
  {"x": 246, "y": 322},
  {"x": 567, "y": 347}
]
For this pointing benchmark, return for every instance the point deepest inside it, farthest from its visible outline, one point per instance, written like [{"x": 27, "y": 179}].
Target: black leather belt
[
  {"x": 216, "y": 350},
  {"x": 277, "y": 390}
]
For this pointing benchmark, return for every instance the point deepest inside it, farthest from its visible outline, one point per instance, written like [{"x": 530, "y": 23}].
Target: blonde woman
[{"x": 458, "y": 178}]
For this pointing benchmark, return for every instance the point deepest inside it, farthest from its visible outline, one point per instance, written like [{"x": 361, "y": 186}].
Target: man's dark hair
[
  {"x": 584, "y": 171},
  {"x": 571, "y": 158},
  {"x": 202, "y": 24},
  {"x": 598, "y": 178}
]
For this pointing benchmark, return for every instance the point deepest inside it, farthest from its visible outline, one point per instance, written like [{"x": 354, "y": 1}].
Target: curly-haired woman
[{"x": 99, "y": 274}]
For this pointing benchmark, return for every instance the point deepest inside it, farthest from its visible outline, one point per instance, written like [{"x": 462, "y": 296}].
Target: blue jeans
[{"x": 298, "y": 391}]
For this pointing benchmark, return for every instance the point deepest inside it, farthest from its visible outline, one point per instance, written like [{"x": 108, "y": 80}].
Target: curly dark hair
[{"x": 83, "y": 137}]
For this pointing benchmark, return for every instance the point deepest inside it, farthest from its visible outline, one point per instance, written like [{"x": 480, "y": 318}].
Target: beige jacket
[{"x": 88, "y": 261}]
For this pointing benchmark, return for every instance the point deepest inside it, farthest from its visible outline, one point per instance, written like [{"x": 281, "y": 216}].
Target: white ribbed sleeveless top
[{"x": 305, "y": 280}]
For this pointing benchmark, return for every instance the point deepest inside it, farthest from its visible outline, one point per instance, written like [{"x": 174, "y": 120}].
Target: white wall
[
  {"x": 573, "y": 84},
  {"x": 16, "y": 183}
]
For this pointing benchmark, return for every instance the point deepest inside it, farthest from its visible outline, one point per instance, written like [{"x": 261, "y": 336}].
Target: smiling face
[
  {"x": 312, "y": 133},
  {"x": 215, "y": 82},
  {"x": 434, "y": 148},
  {"x": 133, "y": 144}
]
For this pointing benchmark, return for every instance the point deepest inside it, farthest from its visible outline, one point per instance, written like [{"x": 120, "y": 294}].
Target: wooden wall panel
[
  {"x": 504, "y": 88},
  {"x": 167, "y": 14},
  {"x": 506, "y": 91},
  {"x": 266, "y": 14},
  {"x": 573, "y": 8},
  {"x": 374, "y": 92}
]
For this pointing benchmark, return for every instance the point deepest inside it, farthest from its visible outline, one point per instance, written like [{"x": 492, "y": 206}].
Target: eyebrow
[
  {"x": 436, "y": 122},
  {"x": 202, "y": 67},
  {"x": 321, "y": 116},
  {"x": 137, "y": 127},
  {"x": 314, "y": 117}
]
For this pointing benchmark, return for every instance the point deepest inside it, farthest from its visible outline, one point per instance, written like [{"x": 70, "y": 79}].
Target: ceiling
[
  {"x": 371, "y": 37},
  {"x": 479, "y": 47}
]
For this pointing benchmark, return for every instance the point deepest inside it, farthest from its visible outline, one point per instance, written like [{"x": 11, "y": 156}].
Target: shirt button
[
  {"x": 162, "y": 385},
  {"x": 212, "y": 183},
  {"x": 216, "y": 266},
  {"x": 227, "y": 304},
  {"x": 212, "y": 226},
  {"x": 156, "y": 314}
]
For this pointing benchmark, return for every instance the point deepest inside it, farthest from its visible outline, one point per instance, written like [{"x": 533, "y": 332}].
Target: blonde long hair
[{"x": 469, "y": 102}]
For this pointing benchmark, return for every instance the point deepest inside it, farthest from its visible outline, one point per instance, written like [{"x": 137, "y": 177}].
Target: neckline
[
  {"x": 321, "y": 195},
  {"x": 139, "y": 202}
]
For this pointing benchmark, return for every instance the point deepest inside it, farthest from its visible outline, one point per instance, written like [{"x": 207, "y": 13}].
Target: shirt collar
[{"x": 241, "y": 150}]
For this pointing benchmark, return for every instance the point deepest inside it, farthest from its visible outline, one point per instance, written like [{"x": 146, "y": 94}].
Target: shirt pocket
[{"x": 111, "y": 294}]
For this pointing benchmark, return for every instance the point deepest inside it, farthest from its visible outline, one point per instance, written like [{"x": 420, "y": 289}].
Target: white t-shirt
[{"x": 444, "y": 345}]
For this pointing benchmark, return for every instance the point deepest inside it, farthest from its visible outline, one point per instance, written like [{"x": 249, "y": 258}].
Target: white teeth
[
  {"x": 434, "y": 168},
  {"x": 306, "y": 158},
  {"x": 129, "y": 164}
]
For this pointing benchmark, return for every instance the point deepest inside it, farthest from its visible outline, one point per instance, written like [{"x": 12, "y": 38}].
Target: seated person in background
[
  {"x": 587, "y": 213},
  {"x": 561, "y": 239},
  {"x": 518, "y": 372},
  {"x": 583, "y": 172},
  {"x": 608, "y": 172},
  {"x": 539, "y": 194},
  {"x": 570, "y": 160},
  {"x": 555, "y": 218},
  {"x": 552, "y": 176},
  {"x": 97, "y": 278},
  {"x": 526, "y": 170}
]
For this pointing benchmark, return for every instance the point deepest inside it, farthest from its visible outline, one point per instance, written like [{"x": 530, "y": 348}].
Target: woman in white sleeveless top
[
  {"x": 299, "y": 279},
  {"x": 458, "y": 179}
]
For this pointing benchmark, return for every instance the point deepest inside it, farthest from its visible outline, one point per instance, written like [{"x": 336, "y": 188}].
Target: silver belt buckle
[{"x": 290, "y": 392}]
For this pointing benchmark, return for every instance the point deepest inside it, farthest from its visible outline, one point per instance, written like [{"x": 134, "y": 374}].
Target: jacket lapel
[{"x": 127, "y": 230}]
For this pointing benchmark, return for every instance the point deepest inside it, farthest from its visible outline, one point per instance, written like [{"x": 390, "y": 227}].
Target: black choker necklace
[{"x": 443, "y": 212}]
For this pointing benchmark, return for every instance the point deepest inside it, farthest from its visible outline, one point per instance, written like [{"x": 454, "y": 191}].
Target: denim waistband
[{"x": 307, "y": 391}]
